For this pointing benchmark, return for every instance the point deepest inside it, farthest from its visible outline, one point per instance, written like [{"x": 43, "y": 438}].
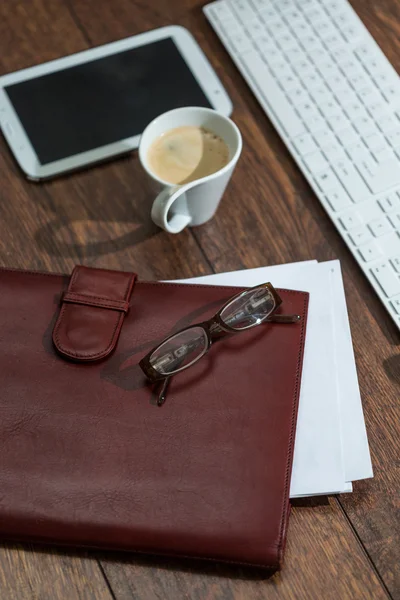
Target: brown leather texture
[
  {"x": 89, "y": 459},
  {"x": 92, "y": 313}
]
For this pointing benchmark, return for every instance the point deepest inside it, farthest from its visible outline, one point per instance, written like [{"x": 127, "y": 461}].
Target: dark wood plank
[{"x": 27, "y": 574}]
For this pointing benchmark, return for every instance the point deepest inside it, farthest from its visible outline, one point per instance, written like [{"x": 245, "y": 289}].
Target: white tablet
[{"x": 88, "y": 107}]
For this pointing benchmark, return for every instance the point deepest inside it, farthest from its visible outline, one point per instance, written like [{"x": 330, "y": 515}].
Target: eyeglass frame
[{"x": 154, "y": 376}]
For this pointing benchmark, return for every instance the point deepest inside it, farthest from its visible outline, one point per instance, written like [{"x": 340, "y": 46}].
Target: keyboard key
[
  {"x": 358, "y": 80},
  {"x": 311, "y": 80},
  {"x": 315, "y": 162},
  {"x": 338, "y": 83},
  {"x": 293, "y": 56},
  {"x": 393, "y": 137},
  {"x": 240, "y": 42},
  {"x": 379, "y": 176},
  {"x": 288, "y": 82},
  {"x": 243, "y": 11},
  {"x": 350, "y": 67},
  {"x": 383, "y": 155},
  {"x": 364, "y": 53},
  {"x": 321, "y": 94},
  {"x": 273, "y": 94},
  {"x": 347, "y": 136},
  {"x": 313, "y": 124},
  {"x": 324, "y": 137},
  {"x": 327, "y": 181},
  {"x": 340, "y": 54},
  {"x": 387, "y": 278},
  {"x": 391, "y": 94},
  {"x": 395, "y": 302},
  {"x": 277, "y": 62},
  {"x": 255, "y": 28},
  {"x": 338, "y": 122},
  {"x": 375, "y": 142},
  {"x": 351, "y": 181},
  {"x": 370, "y": 251},
  {"x": 299, "y": 94},
  {"x": 310, "y": 41},
  {"x": 388, "y": 123},
  {"x": 358, "y": 151},
  {"x": 308, "y": 112},
  {"x": 276, "y": 26},
  {"x": 333, "y": 6},
  {"x": 267, "y": 11},
  {"x": 333, "y": 40},
  {"x": 396, "y": 263},
  {"x": 395, "y": 219},
  {"x": 377, "y": 109},
  {"x": 360, "y": 235},
  {"x": 350, "y": 219},
  {"x": 285, "y": 5},
  {"x": 369, "y": 210},
  {"x": 389, "y": 202},
  {"x": 380, "y": 227},
  {"x": 365, "y": 125},
  {"x": 287, "y": 42},
  {"x": 383, "y": 79},
  {"x": 354, "y": 110},
  {"x": 302, "y": 67},
  {"x": 329, "y": 108},
  {"x": 223, "y": 11},
  {"x": 338, "y": 199},
  {"x": 369, "y": 96},
  {"x": 305, "y": 144},
  {"x": 333, "y": 152}
]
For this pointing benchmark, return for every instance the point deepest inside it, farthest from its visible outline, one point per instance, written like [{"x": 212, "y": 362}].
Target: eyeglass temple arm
[
  {"x": 283, "y": 319},
  {"x": 163, "y": 391}
]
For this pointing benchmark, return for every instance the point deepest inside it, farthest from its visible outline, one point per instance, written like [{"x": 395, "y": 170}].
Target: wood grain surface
[{"x": 347, "y": 547}]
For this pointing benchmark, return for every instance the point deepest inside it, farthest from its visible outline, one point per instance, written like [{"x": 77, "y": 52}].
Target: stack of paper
[{"x": 331, "y": 447}]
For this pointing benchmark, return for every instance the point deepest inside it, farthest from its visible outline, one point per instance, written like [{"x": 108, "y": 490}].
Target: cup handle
[{"x": 172, "y": 220}]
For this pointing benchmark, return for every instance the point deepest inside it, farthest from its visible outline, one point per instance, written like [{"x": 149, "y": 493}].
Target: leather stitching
[
  {"x": 86, "y": 300},
  {"x": 296, "y": 393},
  {"x": 118, "y": 325}
]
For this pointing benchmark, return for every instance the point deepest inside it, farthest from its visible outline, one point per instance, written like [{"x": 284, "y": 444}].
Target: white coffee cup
[{"x": 194, "y": 203}]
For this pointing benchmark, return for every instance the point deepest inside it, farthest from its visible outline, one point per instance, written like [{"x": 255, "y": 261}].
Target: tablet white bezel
[{"x": 17, "y": 138}]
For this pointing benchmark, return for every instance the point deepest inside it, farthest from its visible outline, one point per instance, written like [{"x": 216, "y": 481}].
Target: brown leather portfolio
[{"x": 89, "y": 459}]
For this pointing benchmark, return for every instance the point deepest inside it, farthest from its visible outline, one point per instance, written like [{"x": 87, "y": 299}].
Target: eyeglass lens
[
  {"x": 180, "y": 351},
  {"x": 249, "y": 309}
]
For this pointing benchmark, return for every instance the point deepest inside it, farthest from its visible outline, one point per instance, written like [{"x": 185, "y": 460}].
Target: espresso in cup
[{"x": 187, "y": 153}]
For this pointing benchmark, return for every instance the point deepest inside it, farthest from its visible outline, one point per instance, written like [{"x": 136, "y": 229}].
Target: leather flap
[{"x": 92, "y": 312}]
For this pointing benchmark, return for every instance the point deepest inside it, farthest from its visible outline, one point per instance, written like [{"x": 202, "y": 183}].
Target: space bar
[{"x": 272, "y": 94}]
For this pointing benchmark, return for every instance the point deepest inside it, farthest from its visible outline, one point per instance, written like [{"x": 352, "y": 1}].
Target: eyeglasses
[{"x": 186, "y": 347}]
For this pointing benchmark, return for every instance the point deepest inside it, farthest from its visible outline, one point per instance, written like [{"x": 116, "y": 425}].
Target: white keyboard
[{"x": 335, "y": 100}]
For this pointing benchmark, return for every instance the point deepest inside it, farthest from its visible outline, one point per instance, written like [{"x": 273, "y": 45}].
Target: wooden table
[{"x": 338, "y": 547}]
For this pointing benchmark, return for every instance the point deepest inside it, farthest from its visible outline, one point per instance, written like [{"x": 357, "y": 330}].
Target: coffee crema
[{"x": 187, "y": 153}]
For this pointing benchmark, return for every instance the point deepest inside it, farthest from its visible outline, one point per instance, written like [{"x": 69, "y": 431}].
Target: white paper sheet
[
  {"x": 357, "y": 459},
  {"x": 324, "y": 460}
]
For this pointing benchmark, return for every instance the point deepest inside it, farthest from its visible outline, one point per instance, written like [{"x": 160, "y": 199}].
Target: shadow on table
[
  {"x": 167, "y": 563},
  {"x": 392, "y": 368},
  {"x": 103, "y": 212},
  {"x": 46, "y": 240}
]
